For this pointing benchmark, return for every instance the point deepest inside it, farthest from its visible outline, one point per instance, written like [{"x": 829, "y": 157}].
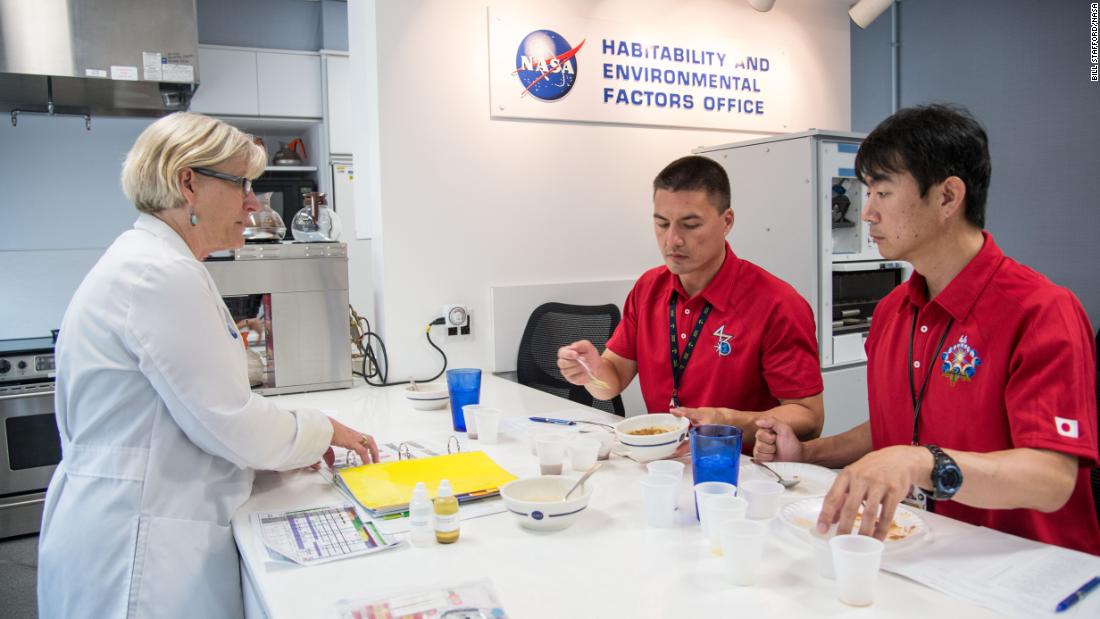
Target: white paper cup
[
  {"x": 763, "y": 497},
  {"x": 671, "y": 468},
  {"x": 705, "y": 491},
  {"x": 551, "y": 452},
  {"x": 721, "y": 509},
  {"x": 659, "y": 499},
  {"x": 742, "y": 548},
  {"x": 856, "y": 560},
  {"x": 469, "y": 412},
  {"x": 583, "y": 452},
  {"x": 824, "y": 554},
  {"x": 488, "y": 424}
]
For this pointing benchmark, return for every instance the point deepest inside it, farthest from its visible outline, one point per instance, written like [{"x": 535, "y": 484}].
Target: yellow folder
[{"x": 387, "y": 487}]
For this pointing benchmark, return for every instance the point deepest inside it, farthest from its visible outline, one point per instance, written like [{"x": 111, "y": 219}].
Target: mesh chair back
[{"x": 553, "y": 325}]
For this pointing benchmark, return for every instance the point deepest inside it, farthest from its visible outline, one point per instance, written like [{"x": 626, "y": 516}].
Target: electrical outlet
[{"x": 457, "y": 319}]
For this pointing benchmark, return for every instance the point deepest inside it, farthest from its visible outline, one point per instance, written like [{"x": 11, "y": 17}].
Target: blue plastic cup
[
  {"x": 715, "y": 454},
  {"x": 464, "y": 387}
]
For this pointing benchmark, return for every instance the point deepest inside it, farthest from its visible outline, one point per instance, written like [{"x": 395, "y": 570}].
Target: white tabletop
[{"x": 609, "y": 563}]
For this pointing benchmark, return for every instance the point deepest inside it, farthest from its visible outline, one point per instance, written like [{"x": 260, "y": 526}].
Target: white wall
[{"x": 467, "y": 203}]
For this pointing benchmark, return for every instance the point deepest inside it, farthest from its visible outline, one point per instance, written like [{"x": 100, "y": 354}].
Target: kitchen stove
[{"x": 30, "y": 446}]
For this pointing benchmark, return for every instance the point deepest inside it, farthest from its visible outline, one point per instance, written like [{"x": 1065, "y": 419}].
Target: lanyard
[
  {"x": 918, "y": 399},
  {"x": 680, "y": 363}
]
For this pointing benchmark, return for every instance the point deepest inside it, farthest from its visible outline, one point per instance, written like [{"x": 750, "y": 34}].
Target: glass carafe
[{"x": 316, "y": 222}]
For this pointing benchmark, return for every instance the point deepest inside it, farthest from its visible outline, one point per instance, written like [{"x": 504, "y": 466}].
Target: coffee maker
[{"x": 290, "y": 302}]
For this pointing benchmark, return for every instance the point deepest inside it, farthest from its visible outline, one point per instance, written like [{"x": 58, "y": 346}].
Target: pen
[
  {"x": 1076, "y": 596},
  {"x": 564, "y": 422}
]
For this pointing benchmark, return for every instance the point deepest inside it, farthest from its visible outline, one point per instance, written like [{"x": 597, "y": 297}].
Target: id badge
[{"x": 917, "y": 497}]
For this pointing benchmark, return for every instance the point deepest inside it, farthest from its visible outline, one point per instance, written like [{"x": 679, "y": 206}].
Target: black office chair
[{"x": 553, "y": 325}]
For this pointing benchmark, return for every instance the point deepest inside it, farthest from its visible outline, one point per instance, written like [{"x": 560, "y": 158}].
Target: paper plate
[
  {"x": 815, "y": 480},
  {"x": 907, "y": 530}
]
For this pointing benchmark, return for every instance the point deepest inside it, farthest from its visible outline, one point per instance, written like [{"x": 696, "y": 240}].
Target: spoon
[
  {"x": 595, "y": 467},
  {"x": 599, "y": 384},
  {"x": 786, "y": 483}
]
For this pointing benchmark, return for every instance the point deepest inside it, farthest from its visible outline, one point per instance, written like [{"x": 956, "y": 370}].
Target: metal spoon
[
  {"x": 786, "y": 483},
  {"x": 595, "y": 467}
]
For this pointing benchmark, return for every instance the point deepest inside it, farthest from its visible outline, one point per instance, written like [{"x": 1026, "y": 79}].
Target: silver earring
[{"x": 194, "y": 219}]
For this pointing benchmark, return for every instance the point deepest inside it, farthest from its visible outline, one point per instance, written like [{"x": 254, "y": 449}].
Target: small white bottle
[
  {"x": 421, "y": 527},
  {"x": 446, "y": 514}
]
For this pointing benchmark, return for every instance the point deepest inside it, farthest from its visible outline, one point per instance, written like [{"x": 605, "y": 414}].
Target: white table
[{"x": 608, "y": 564}]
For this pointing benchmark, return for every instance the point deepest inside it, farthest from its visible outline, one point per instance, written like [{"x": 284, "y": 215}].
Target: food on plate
[{"x": 650, "y": 431}]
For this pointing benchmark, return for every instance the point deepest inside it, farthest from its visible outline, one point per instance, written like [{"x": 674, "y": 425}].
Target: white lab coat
[{"x": 160, "y": 434}]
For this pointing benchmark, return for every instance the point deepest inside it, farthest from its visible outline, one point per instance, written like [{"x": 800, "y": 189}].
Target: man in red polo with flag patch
[
  {"x": 980, "y": 371},
  {"x": 709, "y": 335}
]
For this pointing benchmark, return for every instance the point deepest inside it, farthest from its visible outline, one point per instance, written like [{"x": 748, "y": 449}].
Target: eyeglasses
[{"x": 245, "y": 183}]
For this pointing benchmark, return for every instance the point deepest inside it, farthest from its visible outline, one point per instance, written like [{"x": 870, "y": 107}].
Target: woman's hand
[{"x": 362, "y": 444}]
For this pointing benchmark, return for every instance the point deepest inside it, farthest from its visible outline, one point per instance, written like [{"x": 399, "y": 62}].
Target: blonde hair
[{"x": 178, "y": 141}]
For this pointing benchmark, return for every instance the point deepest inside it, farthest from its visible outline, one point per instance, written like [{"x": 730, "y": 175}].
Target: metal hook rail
[{"x": 50, "y": 109}]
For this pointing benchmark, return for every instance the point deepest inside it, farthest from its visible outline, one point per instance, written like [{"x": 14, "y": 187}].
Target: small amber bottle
[{"x": 446, "y": 514}]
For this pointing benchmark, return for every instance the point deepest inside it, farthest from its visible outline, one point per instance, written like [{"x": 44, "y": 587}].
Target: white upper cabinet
[
  {"x": 340, "y": 108},
  {"x": 289, "y": 84},
  {"x": 228, "y": 83},
  {"x": 249, "y": 82}
]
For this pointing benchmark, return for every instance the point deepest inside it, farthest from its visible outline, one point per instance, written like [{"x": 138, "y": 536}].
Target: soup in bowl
[{"x": 652, "y": 437}]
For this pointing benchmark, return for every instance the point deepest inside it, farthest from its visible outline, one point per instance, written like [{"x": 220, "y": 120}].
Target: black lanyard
[
  {"x": 680, "y": 363},
  {"x": 918, "y": 399}
]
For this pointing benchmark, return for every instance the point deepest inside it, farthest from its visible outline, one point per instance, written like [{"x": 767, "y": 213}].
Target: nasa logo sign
[{"x": 546, "y": 65}]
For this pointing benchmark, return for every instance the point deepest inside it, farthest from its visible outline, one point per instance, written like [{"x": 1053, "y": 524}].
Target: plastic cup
[
  {"x": 742, "y": 548},
  {"x": 551, "y": 452},
  {"x": 659, "y": 499},
  {"x": 463, "y": 387},
  {"x": 671, "y": 468},
  {"x": 706, "y": 491},
  {"x": 721, "y": 509},
  {"x": 763, "y": 497},
  {"x": 607, "y": 441},
  {"x": 824, "y": 554},
  {"x": 469, "y": 417},
  {"x": 715, "y": 453},
  {"x": 583, "y": 452},
  {"x": 488, "y": 424},
  {"x": 856, "y": 560}
]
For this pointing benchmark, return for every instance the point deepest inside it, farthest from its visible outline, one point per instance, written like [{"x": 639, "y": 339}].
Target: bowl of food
[
  {"x": 539, "y": 503},
  {"x": 652, "y": 437},
  {"x": 427, "y": 396}
]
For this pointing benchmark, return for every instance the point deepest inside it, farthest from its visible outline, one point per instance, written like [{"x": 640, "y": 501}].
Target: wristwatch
[{"x": 947, "y": 477}]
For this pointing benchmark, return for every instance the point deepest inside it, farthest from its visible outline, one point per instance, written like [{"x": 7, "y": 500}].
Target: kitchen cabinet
[
  {"x": 251, "y": 82},
  {"x": 339, "y": 110}
]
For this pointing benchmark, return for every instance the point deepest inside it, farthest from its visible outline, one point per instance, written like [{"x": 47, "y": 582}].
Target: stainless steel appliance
[
  {"x": 857, "y": 289},
  {"x": 104, "y": 57},
  {"x": 290, "y": 301},
  {"x": 29, "y": 441}
]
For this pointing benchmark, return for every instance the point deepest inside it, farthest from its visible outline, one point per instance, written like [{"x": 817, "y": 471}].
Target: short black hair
[
  {"x": 695, "y": 173},
  {"x": 931, "y": 142}
]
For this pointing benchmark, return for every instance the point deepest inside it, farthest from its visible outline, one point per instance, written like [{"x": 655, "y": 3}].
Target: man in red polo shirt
[
  {"x": 980, "y": 371},
  {"x": 745, "y": 341}
]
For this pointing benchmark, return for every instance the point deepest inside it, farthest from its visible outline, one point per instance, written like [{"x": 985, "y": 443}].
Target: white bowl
[
  {"x": 427, "y": 396},
  {"x": 536, "y": 501},
  {"x": 647, "y": 447}
]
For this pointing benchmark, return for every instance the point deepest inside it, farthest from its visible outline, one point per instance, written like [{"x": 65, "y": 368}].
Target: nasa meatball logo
[{"x": 546, "y": 65}]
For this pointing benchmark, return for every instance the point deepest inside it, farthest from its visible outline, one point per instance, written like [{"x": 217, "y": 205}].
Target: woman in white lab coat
[{"x": 160, "y": 432}]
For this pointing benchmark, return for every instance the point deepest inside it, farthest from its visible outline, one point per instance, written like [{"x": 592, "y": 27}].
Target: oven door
[{"x": 31, "y": 450}]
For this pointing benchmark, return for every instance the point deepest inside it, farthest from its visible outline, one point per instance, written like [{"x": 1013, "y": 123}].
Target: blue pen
[
  {"x": 1077, "y": 595},
  {"x": 564, "y": 422}
]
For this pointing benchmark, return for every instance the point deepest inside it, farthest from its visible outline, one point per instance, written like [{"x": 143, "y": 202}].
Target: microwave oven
[{"x": 287, "y": 191}]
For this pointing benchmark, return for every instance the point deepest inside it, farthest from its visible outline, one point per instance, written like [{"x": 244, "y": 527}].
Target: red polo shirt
[
  {"x": 1017, "y": 369},
  {"x": 758, "y": 344}
]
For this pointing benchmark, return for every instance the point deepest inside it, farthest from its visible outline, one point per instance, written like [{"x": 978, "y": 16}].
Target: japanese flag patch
[{"x": 1066, "y": 427}]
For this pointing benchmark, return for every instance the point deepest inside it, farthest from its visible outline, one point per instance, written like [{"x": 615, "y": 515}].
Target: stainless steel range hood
[{"x": 99, "y": 57}]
